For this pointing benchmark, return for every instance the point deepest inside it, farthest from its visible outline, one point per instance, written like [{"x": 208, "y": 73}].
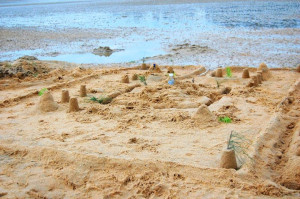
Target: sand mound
[
  {"x": 144, "y": 67},
  {"x": 170, "y": 70},
  {"x": 155, "y": 69},
  {"x": 125, "y": 79},
  {"x": 134, "y": 77},
  {"x": 228, "y": 160},
  {"x": 47, "y": 103},
  {"x": 266, "y": 74},
  {"x": 203, "y": 115},
  {"x": 298, "y": 68}
]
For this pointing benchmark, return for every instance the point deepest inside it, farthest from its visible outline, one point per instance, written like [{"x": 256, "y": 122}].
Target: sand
[{"x": 149, "y": 142}]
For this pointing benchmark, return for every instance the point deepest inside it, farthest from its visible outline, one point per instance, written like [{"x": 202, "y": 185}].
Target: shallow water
[{"x": 156, "y": 27}]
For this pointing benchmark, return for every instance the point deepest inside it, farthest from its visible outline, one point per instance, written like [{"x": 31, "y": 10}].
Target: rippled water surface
[{"x": 158, "y": 25}]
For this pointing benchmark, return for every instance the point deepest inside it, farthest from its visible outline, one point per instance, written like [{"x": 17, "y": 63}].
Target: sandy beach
[{"x": 150, "y": 141}]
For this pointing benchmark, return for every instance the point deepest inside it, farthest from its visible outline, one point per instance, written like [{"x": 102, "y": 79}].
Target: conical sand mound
[
  {"x": 47, "y": 103},
  {"x": 155, "y": 69},
  {"x": 204, "y": 115}
]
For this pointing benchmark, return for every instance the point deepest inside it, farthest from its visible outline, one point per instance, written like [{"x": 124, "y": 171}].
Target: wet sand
[
  {"x": 225, "y": 34},
  {"x": 148, "y": 142}
]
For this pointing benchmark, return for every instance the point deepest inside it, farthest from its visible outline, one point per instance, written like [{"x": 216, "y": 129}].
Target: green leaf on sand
[
  {"x": 42, "y": 91},
  {"x": 228, "y": 72},
  {"x": 225, "y": 119}
]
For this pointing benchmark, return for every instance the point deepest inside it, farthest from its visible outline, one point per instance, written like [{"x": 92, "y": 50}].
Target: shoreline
[{"x": 45, "y": 43}]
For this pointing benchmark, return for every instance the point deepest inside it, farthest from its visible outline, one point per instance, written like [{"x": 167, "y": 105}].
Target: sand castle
[
  {"x": 265, "y": 71},
  {"x": 47, "y": 103},
  {"x": 157, "y": 119},
  {"x": 65, "y": 96},
  {"x": 254, "y": 79},
  {"x": 259, "y": 77},
  {"x": 82, "y": 91},
  {"x": 228, "y": 160},
  {"x": 245, "y": 73},
  {"x": 125, "y": 79},
  {"x": 219, "y": 72},
  {"x": 144, "y": 67},
  {"x": 73, "y": 105}
]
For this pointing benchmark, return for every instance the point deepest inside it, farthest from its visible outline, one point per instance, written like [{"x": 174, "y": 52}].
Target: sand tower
[
  {"x": 254, "y": 79},
  {"x": 47, "y": 103},
  {"x": 82, "y": 91},
  {"x": 65, "y": 96},
  {"x": 266, "y": 74},
  {"x": 73, "y": 105},
  {"x": 259, "y": 77},
  {"x": 298, "y": 68},
  {"x": 219, "y": 72},
  {"x": 144, "y": 66},
  {"x": 245, "y": 73}
]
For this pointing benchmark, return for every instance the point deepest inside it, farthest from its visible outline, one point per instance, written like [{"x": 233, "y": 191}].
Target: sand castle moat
[{"x": 102, "y": 132}]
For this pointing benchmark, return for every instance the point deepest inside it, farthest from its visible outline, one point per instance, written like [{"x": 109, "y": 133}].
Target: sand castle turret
[
  {"x": 47, "y": 103},
  {"x": 125, "y": 79},
  {"x": 219, "y": 72},
  {"x": 266, "y": 74},
  {"x": 228, "y": 160},
  {"x": 144, "y": 66},
  {"x": 73, "y": 105},
  {"x": 259, "y": 77},
  {"x": 245, "y": 73},
  {"x": 82, "y": 91},
  {"x": 65, "y": 96},
  {"x": 255, "y": 82}
]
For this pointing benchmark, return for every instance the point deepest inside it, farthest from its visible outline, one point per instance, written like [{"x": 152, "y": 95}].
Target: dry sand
[{"x": 149, "y": 142}]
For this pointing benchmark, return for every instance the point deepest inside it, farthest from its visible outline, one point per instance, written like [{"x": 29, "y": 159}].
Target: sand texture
[{"x": 131, "y": 140}]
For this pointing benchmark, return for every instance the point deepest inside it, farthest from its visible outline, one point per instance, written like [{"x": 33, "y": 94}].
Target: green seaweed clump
[
  {"x": 42, "y": 91},
  {"x": 228, "y": 72},
  {"x": 142, "y": 79},
  {"x": 225, "y": 119}
]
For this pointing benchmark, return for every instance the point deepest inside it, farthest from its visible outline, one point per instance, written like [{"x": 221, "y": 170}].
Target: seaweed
[
  {"x": 42, "y": 91},
  {"x": 225, "y": 119},
  {"x": 142, "y": 79},
  {"x": 101, "y": 100},
  {"x": 239, "y": 144},
  {"x": 228, "y": 72}
]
